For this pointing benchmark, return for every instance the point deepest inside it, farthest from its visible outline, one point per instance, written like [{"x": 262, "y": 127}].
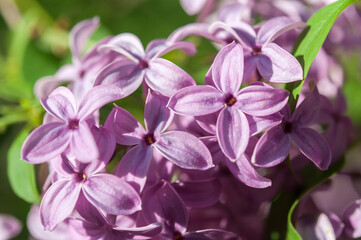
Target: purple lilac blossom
[
  {"x": 9, "y": 226},
  {"x": 223, "y": 95},
  {"x": 71, "y": 128},
  {"x": 159, "y": 74},
  {"x": 189, "y": 154},
  {"x": 274, "y": 146}
]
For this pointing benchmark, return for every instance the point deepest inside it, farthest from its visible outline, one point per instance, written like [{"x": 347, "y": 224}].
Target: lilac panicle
[
  {"x": 272, "y": 62},
  {"x": 159, "y": 74},
  {"x": 274, "y": 146},
  {"x": 71, "y": 128},
  {"x": 190, "y": 154},
  {"x": 232, "y": 128},
  {"x": 105, "y": 191}
]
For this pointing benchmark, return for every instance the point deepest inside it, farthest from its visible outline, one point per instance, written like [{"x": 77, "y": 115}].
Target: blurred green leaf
[
  {"x": 20, "y": 173},
  {"x": 292, "y": 233},
  {"x": 311, "y": 40}
]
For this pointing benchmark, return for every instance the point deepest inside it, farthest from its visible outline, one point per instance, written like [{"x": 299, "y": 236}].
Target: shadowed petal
[
  {"x": 161, "y": 203},
  {"x": 98, "y": 97},
  {"x": 45, "y": 143},
  {"x": 261, "y": 101},
  {"x": 124, "y": 74},
  {"x": 60, "y": 103},
  {"x": 58, "y": 203},
  {"x": 243, "y": 170},
  {"x": 227, "y": 69},
  {"x": 185, "y": 150},
  {"x": 199, "y": 194},
  {"x": 133, "y": 167},
  {"x": 83, "y": 144},
  {"x": 111, "y": 194},
  {"x": 274, "y": 27},
  {"x": 208, "y": 122},
  {"x": 232, "y": 132},
  {"x": 127, "y": 129},
  {"x": 307, "y": 112},
  {"x": 160, "y": 47},
  {"x": 212, "y": 144},
  {"x": 250, "y": 66},
  {"x": 352, "y": 219},
  {"x": 210, "y": 234},
  {"x": 260, "y": 124},
  {"x": 80, "y": 34},
  {"x": 166, "y": 78},
  {"x": 313, "y": 146},
  {"x": 157, "y": 116},
  {"x": 277, "y": 65},
  {"x": 196, "y": 101},
  {"x": 272, "y": 148},
  {"x": 147, "y": 231}
]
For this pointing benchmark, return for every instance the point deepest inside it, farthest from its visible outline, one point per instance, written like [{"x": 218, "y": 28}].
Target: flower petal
[
  {"x": 199, "y": 194},
  {"x": 307, "y": 112},
  {"x": 98, "y": 97},
  {"x": 147, "y": 231},
  {"x": 210, "y": 234},
  {"x": 352, "y": 219},
  {"x": 45, "y": 143},
  {"x": 243, "y": 170},
  {"x": 250, "y": 67},
  {"x": 111, "y": 194},
  {"x": 196, "y": 101},
  {"x": 58, "y": 203},
  {"x": 60, "y": 103},
  {"x": 260, "y": 124},
  {"x": 133, "y": 167},
  {"x": 274, "y": 27},
  {"x": 157, "y": 117},
  {"x": 127, "y": 129},
  {"x": 227, "y": 69},
  {"x": 166, "y": 78},
  {"x": 160, "y": 47},
  {"x": 261, "y": 101},
  {"x": 161, "y": 203},
  {"x": 189, "y": 154},
  {"x": 272, "y": 148},
  {"x": 199, "y": 29},
  {"x": 80, "y": 34},
  {"x": 232, "y": 132},
  {"x": 124, "y": 74},
  {"x": 277, "y": 65},
  {"x": 313, "y": 146},
  {"x": 83, "y": 144}
]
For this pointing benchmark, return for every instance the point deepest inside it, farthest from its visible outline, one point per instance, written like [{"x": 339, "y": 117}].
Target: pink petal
[
  {"x": 261, "y": 101},
  {"x": 313, "y": 146},
  {"x": 45, "y": 143},
  {"x": 274, "y": 27},
  {"x": 45, "y": 85},
  {"x": 157, "y": 117},
  {"x": 80, "y": 34},
  {"x": 200, "y": 29},
  {"x": 58, "y": 203},
  {"x": 160, "y": 47},
  {"x": 232, "y": 132},
  {"x": 193, "y": 7},
  {"x": 199, "y": 194},
  {"x": 126, "y": 44},
  {"x": 272, "y": 148},
  {"x": 83, "y": 144},
  {"x": 166, "y": 78},
  {"x": 60, "y": 103},
  {"x": 196, "y": 101},
  {"x": 277, "y": 65},
  {"x": 98, "y": 97},
  {"x": 133, "y": 167},
  {"x": 250, "y": 67},
  {"x": 243, "y": 170},
  {"x": 260, "y": 124},
  {"x": 210, "y": 234},
  {"x": 208, "y": 122},
  {"x": 124, "y": 74},
  {"x": 127, "y": 129},
  {"x": 111, "y": 194},
  {"x": 307, "y": 112},
  {"x": 9, "y": 226},
  {"x": 147, "y": 231},
  {"x": 161, "y": 203},
  {"x": 189, "y": 154},
  {"x": 352, "y": 219},
  {"x": 227, "y": 69}
]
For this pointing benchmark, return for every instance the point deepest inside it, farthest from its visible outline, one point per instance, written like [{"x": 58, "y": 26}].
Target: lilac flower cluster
[{"x": 200, "y": 167}]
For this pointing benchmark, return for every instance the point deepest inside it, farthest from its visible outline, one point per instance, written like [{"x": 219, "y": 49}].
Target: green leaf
[
  {"x": 292, "y": 234},
  {"x": 20, "y": 173},
  {"x": 311, "y": 40}
]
